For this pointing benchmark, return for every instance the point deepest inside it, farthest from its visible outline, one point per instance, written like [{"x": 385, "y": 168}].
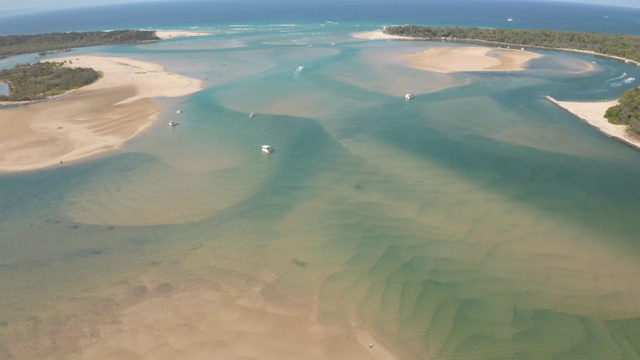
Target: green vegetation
[
  {"x": 627, "y": 111},
  {"x": 624, "y": 46},
  {"x": 24, "y": 44},
  {"x": 41, "y": 80}
]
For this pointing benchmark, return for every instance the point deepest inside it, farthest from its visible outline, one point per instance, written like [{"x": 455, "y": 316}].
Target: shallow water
[{"x": 477, "y": 221}]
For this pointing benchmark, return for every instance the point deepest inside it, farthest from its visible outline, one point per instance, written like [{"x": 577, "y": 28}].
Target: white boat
[
  {"x": 251, "y": 115},
  {"x": 172, "y": 123},
  {"x": 408, "y": 96},
  {"x": 179, "y": 112},
  {"x": 267, "y": 149},
  {"x": 510, "y": 19}
]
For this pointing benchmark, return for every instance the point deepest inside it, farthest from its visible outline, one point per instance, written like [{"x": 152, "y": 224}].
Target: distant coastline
[
  {"x": 619, "y": 46},
  {"x": 45, "y": 44}
]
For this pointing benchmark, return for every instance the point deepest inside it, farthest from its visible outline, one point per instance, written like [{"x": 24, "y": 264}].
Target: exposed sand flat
[
  {"x": 378, "y": 35},
  {"x": 210, "y": 320},
  {"x": 170, "y": 34},
  {"x": 94, "y": 119},
  {"x": 593, "y": 114},
  {"x": 470, "y": 58}
]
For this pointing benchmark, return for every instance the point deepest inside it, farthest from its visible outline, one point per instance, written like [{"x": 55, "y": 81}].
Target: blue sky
[{"x": 12, "y": 6}]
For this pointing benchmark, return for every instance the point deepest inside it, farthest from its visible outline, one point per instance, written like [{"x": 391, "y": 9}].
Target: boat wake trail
[
  {"x": 618, "y": 77},
  {"x": 613, "y": 81}
]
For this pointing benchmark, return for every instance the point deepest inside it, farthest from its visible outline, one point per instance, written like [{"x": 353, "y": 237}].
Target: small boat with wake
[
  {"x": 173, "y": 123},
  {"x": 267, "y": 149}
]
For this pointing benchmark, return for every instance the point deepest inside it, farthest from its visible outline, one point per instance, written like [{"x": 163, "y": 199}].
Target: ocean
[{"x": 477, "y": 221}]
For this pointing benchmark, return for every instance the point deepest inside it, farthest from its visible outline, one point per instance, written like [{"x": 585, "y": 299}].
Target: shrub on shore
[{"x": 627, "y": 112}]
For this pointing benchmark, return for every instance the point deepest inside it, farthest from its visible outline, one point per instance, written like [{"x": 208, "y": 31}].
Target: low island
[
  {"x": 107, "y": 100},
  {"x": 94, "y": 119}
]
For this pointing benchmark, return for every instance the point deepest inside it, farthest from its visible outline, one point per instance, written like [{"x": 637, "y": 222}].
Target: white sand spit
[
  {"x": 593, "y": 114},
  {"x": 171, "y": 34},
  {"x": 378, "y": 35}
]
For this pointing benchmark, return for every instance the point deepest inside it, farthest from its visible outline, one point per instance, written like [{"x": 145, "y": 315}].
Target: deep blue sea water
[
  {"x": 489, "y": 13},
  {"x": 477, "y": 221}
]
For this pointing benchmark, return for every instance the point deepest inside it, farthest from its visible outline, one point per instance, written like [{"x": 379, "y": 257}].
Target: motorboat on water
[
  {"x": 409, "y": 96},
  {"x": 251, "y": 115},
  {"x": 267, "y": 149},
  {"x": 173, "y": 123}
]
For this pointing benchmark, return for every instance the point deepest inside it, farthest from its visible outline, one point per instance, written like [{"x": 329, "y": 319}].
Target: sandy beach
[
  {"x": 95, "y": 119},
  {"x": 171, "y": 34},
  {"x": 593, "y": 114},
  {"x": 470, "y": 58}
]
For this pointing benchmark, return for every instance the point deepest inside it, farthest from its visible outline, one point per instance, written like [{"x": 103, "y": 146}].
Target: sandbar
[
  {"x": 450, "y": 59},
  {"x": 203, "y": 320},
  {"x": 91, "y": 120},
  {"x": 593, "y": 114},
  {"x": 171, "y": 34}
]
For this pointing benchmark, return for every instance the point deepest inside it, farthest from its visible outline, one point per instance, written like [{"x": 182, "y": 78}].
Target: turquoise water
[{"x": 477, "y": 221}]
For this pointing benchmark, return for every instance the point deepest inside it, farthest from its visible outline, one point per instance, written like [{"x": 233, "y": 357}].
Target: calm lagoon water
[{"x": 477, "y": 221}]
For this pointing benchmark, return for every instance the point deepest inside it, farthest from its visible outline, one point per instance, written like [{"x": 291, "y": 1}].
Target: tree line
[
  {"x": 44, "y": 79},
  {"x": 11, "y": 45},
  {"x": 620, "y": 45}
]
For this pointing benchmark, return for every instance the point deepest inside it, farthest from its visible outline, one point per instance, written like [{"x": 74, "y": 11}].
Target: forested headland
[
  {"x": 11, "y": 45},
  {"x": 618, "y": 45},
  {"x": 44, "y": 79}
]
